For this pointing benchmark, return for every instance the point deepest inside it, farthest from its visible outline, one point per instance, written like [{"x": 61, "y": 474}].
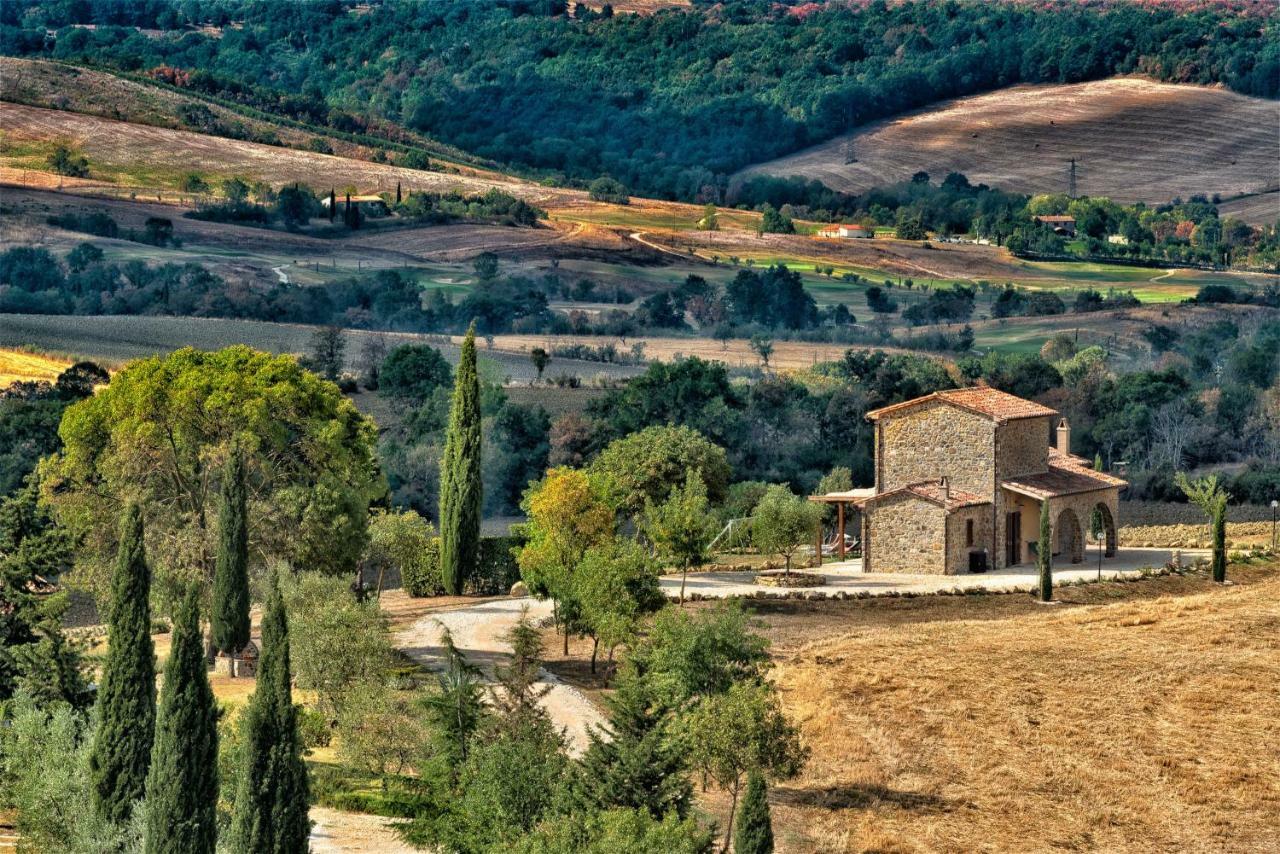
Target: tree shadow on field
[{"x": 862, "y": 796}]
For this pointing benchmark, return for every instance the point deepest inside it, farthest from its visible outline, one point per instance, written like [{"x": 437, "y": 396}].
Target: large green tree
[
  {"x": 230, "y": 622},
  {"x": 651, "y": 464},
  {"x": 461, "y": 494},
  {"x": 271, "y": 802},
  {"x": 159, "y": 434},
  {"x": 182, "y": 789},
  {"x": 127, "y": 696}
]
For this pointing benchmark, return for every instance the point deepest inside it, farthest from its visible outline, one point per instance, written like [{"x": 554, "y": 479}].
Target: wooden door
[{"x": 1013, "y": 539}]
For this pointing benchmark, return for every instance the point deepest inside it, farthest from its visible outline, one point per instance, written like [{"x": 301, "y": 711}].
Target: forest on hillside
[{"x": 675, "y": 102}]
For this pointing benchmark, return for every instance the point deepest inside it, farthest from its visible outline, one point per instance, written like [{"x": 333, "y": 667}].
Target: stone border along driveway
[
  {"x": 477, "y": 631},
  {"x": 846, "y": 580}
]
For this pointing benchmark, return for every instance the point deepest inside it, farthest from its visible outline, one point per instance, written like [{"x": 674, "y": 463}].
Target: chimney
[
  {"x": 946, "y": 486},
  {"x": 1064, "y": 437}
]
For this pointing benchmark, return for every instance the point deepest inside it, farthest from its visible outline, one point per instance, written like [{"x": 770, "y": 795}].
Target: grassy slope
[{"x": 20, "y": 365}]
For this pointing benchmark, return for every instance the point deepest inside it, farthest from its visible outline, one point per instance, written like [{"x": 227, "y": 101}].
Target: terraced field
[{"x": 1135, "y": 140}]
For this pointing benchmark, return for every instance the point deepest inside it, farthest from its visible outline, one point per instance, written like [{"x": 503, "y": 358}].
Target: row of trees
[{"x": 148, "y": 773}]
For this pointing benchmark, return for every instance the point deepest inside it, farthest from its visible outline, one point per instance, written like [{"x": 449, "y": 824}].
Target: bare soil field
[
  {"x": 1134, "y": 139},
  {"x": 1262, "y": 209}
]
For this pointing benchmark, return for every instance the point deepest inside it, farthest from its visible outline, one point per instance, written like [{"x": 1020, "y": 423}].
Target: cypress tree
[
  {"x": 754, "y": 833},
  {"x": 271, "y": 803},
  {"x": 636, "y": 764},
  {"x": 182, "y": 789},
  {"x": 121, "y": 752},
  {"x": 1218, "y": 515},
  {"x": 460, "y": 490},
  {"x": 230, "y": 617},
  {"x": 1044, "y": 554}
]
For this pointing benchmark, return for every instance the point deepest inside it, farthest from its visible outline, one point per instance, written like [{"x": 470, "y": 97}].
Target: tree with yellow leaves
[{"x": 567, "y": 516}]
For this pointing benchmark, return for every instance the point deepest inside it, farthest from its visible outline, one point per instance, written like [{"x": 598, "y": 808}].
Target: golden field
[{"x": 1141, "y": 725}]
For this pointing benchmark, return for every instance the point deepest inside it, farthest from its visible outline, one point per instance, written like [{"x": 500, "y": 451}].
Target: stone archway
[
  {"x": 1108, "y": 528},
  {"x": 1069, "y": 536}
]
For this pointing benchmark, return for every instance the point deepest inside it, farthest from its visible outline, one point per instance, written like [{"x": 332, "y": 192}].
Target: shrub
[
  {"x": 496, "y": 568},
  {"x": 313, "y": 728},
  {"x": 422, "y": 576}
]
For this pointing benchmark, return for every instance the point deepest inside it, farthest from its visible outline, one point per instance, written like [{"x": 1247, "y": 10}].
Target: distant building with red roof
[{"x": 960, "y": 477}]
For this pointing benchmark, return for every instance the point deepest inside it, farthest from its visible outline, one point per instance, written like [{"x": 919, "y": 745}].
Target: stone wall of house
[
  {"x": 906, "y": 534},
  {"x": 1022, "y": 447},
  {"x": 932, "y": 441},
  {"x": 958, "y": 546}
]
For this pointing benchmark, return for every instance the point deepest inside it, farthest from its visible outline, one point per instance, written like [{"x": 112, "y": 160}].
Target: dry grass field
[
  {"x": 1136, "y": 726},
  {"x": 19, "y": 366},
  {"x": 1136, "y": 140}
]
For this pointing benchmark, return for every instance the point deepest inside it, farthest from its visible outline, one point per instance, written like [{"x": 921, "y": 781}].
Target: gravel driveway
[{"x": 477, "y": 631}]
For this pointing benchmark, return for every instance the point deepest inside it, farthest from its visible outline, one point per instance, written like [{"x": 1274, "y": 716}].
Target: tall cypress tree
[
  {"x": 231, "y": 577},
  {"x": 460, "y": 490},
  {"x": 1044, "y": 554},
  {"x": 271, "y": 803},
  {"x": 182, "y": 789},
  {"x": 754, "y": 832},
  {"x": 121, "y": 752}
]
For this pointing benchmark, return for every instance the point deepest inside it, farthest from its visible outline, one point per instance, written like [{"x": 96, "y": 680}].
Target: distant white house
[
  {"x": 1118, "y": 239},
  {"x": 370, "y": 206},
  {"x": 846, "y": 231}
]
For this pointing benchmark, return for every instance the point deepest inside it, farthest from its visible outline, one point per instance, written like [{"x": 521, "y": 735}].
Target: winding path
[{"x": 478, "y": 631}]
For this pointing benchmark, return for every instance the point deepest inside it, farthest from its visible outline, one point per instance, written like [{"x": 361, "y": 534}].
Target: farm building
[
  {"x": 1064, "y": 225},
  {"x": 960, "y": 477},
  {"x": 846, "y": 231},
  {"x": 370, "y": 206}
]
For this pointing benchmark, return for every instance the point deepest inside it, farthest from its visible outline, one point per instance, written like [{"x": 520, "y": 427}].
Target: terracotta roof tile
[
  {"x": 1067, "y": 475},
  {"x": 998, "y": 405},
  {"x": 934, "y": 491}
]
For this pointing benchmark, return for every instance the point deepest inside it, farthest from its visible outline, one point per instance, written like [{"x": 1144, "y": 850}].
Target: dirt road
[{"x": 478, "y": 631}]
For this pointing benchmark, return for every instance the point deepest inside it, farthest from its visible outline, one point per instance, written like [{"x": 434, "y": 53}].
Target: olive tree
[{"x": 782, "y": 522}]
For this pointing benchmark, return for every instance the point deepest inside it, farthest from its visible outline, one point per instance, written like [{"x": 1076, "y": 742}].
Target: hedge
[{"x": 496, "y": 571}]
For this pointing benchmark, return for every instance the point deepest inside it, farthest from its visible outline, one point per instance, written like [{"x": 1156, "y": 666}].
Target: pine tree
[
  {"x": 460, "y": 490},
  {"x": 754, "y": 832},
  {"x": 1044, "y": 555},
  {"x": 636, "y": 763},
  {"x": 271, "y": 803},
  {"x": 182, "y": 789},
  {"x": 121, "y": 751},
  {"x": 230, "y": 617}
]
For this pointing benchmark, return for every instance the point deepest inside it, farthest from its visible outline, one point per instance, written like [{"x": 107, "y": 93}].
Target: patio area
[{"x": 847, "y": 576}]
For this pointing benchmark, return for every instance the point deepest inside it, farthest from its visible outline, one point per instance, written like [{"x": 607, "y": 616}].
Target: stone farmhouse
[{"x": 959, "y": 479}]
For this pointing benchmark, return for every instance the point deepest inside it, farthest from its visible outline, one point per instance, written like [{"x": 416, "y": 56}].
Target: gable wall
[
  {"x": 1022, "y": 447},
  {"x": 935, "y": 440},
  {"x": 906, "y": 534}
]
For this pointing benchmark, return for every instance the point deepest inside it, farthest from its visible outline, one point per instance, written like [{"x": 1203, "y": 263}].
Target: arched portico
[
  {"x": 1069, "y": 536},
  {"x": 1108, "y": 528}
]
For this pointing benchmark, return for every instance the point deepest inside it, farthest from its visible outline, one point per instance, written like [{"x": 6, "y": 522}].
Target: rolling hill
[{"x": 1134, "y": 140}]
